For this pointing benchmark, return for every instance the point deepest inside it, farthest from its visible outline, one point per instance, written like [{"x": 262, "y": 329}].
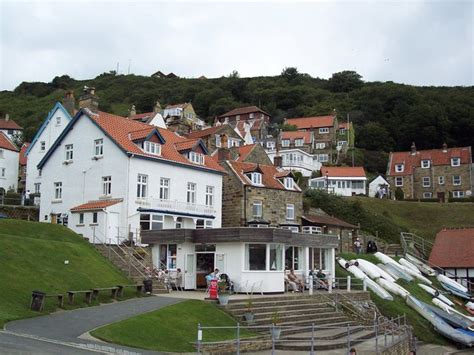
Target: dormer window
[
  {"x": 455, "y": 161},
  {"x": 299, "y": 142},
  {"x": 399, "y": 168},
  {"x": 151, "y": 147},
  {"x": 256, "y": 178},
  {"x": 285, "y": 143},
  {"x": 323, "y": 130},
  {"x": 425, "y": 164},
  {"x": 196, "y": 158},
  {"x": 289, "y": 183}
]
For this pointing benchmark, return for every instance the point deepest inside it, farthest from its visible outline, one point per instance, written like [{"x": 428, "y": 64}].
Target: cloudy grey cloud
[{"x": 422, "y": 43}]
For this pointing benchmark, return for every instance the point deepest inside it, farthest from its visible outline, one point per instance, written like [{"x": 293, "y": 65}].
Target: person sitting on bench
[{"x": 293, "y": 278}]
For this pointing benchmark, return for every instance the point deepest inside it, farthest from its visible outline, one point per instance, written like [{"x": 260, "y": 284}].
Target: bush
[
  {"x": 399, "y": 195},
  {"x": 464, "y": 199}
]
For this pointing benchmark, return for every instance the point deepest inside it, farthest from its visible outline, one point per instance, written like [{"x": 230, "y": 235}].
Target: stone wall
[
  {"x": 21, "y": 212},
  {"x": 401, "y": 347},
  {"x": 258, "y": 156},
  {"x": 232, "y": 200}
]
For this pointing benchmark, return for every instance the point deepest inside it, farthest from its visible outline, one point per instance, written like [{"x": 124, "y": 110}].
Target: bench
[
  {"x": 38, "y": 299},
  {"x": 138, "y": 287},
  {"x": 87, "y": 296},
  {"x": 95, "y": 291}
]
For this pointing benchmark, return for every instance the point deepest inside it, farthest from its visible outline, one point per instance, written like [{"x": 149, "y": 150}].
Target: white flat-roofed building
[{"x": 344, "y": 181}]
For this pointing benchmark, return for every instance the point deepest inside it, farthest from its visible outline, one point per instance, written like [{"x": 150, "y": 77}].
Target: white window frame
[
  {"x": 457, "y": 180},
  {"x": 142, "y": 186},
  {"x": 257, "y": 209},
  {"x": 320, "y": 145},
  {"x": 270, "y": 145},
  {"x": 342, "y": 131},
  {"x": 426, "y": 181},
  {"x": 165, "y": 188},
  {"x": 95, "y": 218},
  {"x": 427, "y": 195},
  {"x": 251, "y": 115},
  {"x": 455, "y": 161},
  {"x": 99, "y": 147},
  {"x": 289, "y": 183},
  {"x": 233, "y": 142},
  {"x": 37, "y": 187},
  {"x": 42, "y": 146},
  {"x": 323, "y": 130},
  {"x": 458, "y": 194},
  {"x": 299, "y": 142},
  {"x": 81, "y": 218},
  {"x": 341, "y": 143},
  {"x": 323, "y": 158},
  {"x": 441, "y": 180},
  {"x": 196, "y": 157},
  {"x": 399, "y": 168},
  {"x": 290, "y": 212},
  {"x": 285, "y": 142},
  {"x": 58, "y": 120},
  {"x": 256, "y": 178},
  {"x": 107, "y": 185},
  {"x": 69, "y": 152},
  {"x": 398, "y": 181},
  {"x": 209, "y": 195},
  {"x": 218, "y": 140},
  {"x": 3, "y": 172},
  {"x": 425, "y": 164},
  {"x": 191, "y": 193},
  {"x": 312, "y": 230},
  {"x": 294, "y": 229},
  {"x": 152, "y": 148},
  {"x": 58, "y": 190}
]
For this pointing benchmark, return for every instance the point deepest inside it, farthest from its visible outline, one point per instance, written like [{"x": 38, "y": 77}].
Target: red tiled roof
[
  {"x": 436, "y": 156},
  {"x": 204, "y": 132},
  {"x": 185, "y": 145},
  {"x": 292, "y": 135},
  {"x": 23, "y": 157},
  {"x": 96, "y": 205},
  {"x": 269, "y": 174},
  {"x": 453, "y": 248},
  {"x": 283, "y": 173},
  {"x": 243, "y": 110},
  {"x": 328, "y": 220},
  {"x": 9, "y": 124},
  {"x": 6, "y": 143},
  {"x": 343, "y": 125},
  {"x": 311, "y": 122},
  {"x": 141, "y": 116},
  {"x": 121, "y": 130},
  {"x": 244, "y": 151},
  {"x": 343, "y": 171}
]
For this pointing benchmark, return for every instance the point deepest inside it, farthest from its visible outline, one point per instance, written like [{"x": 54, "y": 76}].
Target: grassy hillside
[
  {"x": 422, "y": 218},
  {"x": 389, "y": 218},
  {"x": 32, "y": 257}
]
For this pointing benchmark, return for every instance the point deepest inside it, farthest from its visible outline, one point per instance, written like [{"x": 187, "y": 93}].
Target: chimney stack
[
  {"x": 132, "y": 112},
  {"x": 445, "y": 147},
  {"x": 413, "y": 148},
  {"x": 7, "y": 117},
  {"x": 69, "y": 102},
  {"x": 224, "y": 141},
  {"x": 223, "y": 154},
  {"x": 157, "y": 107},
  {"x": 89, "y": 99},
  {"x": 278, "y": 161}
]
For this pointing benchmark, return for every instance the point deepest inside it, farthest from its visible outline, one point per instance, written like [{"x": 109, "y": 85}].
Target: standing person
[{"x": 358, "y": 246}]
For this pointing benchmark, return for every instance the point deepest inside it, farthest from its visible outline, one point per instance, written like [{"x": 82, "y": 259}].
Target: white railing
[
  {"x": 300, "y": 164},
  {"x": 176, "y": 206}
]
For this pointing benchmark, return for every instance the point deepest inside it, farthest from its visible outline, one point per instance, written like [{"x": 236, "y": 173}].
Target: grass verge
[{"x": 173, "y": 328}]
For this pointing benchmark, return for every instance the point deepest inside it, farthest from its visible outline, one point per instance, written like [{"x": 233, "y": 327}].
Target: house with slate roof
[
  {"x": 435, "y": 173},
  {"x": 109, "y": 178}
]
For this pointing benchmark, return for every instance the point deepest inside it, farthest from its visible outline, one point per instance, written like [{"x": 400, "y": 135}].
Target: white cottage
[
  {"x": 379, "y": 187},
  {"x": 9, "y": 157},
  {"x": 108, "y": 177},
  {"x": 255, "y": 259},
  {"x": 54, "y": 124},
  {"x": 343, "y": 181},
  {"x": 295, "y": 159}
]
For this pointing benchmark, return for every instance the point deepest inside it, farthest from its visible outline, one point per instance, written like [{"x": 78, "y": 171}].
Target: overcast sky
[{"x": 421, "y": 43}]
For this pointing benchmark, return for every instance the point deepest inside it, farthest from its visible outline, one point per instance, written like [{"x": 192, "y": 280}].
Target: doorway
[
  {"x": 205, "y": 264},
  {"x": 440, "y": 196}
]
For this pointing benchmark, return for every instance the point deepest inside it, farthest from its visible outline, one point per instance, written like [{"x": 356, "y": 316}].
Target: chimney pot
[
  {"x": 7, "y": 117},
  {"x": 69, "y": 102},
  {"x": 413, "y": 148},
  {"x": 89, "y": 99},
  {"x": 445, "y": 147},
  {"x": 132, "y": 112}
]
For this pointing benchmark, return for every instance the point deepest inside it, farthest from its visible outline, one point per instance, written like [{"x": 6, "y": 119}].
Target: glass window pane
[
  {"x": 256, "y": 256},
  {"x": 276, "y": 262}
]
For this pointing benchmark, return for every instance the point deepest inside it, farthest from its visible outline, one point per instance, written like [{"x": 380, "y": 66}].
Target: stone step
[
  {"x": 286, "y": 344},
  {"x": 294, "y": 306},
  {"x": 304, "y": 320},
  {"x": 258, "y": 312},
  {"x": 304, "y": 328},
  {"x": 325, "y": 333},
  {"x": 276, "y": 302}
]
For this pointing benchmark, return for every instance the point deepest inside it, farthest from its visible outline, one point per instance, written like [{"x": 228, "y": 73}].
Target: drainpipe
[{"x": 245, "y": 204}]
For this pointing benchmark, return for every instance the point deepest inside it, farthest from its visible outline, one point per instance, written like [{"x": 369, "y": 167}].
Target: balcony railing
[{"x": 176, "y": 206}]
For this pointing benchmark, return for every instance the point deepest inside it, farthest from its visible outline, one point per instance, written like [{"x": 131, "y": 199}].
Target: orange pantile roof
[
  {"x": 269, "y": 174},
  {"x": 453, "y": 248},
  {"x": 436, "y": 156},
  {"x": 243, "y": 110},
  {"x": 328, "y": 220},
  {"x": 9, "y": 124},
  {"x": 292, "y": 135},
  {"x": 141, "y": 116},
  {"x": 6, "y": 143},
  {"x": 244, "y": 151},
  {"x": 186, "y": 145},
  {"x": 204, "y": 132},
  {"x": 96, "y": 205},
  {"x": 311, "y": 122},
  {"x": 121, "y": 130},
  {"x": 343, "y": 125},
  {"x": 23, "y": 157},
  {"x": 343, "y": 171}
]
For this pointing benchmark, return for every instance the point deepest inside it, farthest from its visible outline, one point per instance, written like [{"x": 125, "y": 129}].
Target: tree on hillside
[
  {"x": 345, "y": 81},
  {"x": 290, "y": 74}
]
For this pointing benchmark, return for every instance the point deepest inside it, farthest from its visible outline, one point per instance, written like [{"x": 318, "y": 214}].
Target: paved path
[{"x": 59, "y": 333}]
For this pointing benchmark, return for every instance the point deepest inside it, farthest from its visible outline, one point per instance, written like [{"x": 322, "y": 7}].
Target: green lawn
[
  {"x": 422, "y": 218},
  {"x": 32, "y": 257},
  {"x": 423, "y": 329},
  {"x": 173, "y": 328}
]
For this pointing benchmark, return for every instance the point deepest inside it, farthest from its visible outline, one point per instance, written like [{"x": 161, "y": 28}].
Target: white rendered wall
[
  {"x": 10, "y": 163},
  {"x": 49, "y": 136}
]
